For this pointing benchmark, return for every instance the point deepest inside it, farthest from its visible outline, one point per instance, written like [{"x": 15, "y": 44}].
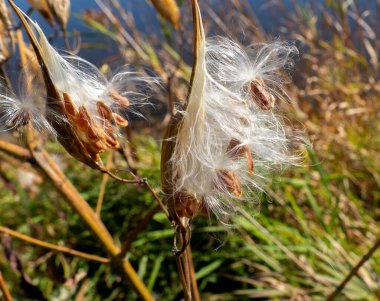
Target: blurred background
[{"x": 297, "y": 242}]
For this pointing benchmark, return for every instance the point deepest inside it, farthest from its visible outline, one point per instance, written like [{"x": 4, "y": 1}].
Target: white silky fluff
[
  {"x": 220, "y": 109},
  {"x": 86, "y": 84},
  {"x": 17, "y": 111}
]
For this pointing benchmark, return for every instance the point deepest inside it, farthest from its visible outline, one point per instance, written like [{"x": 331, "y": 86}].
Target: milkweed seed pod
[
  {"x": 83, "y": 106},
  {"x": 43, "y": 9},
  {"x": 61, "y": 11},
  {"x": 169, "y": 10},
  {"x": 228, "y": 138}
]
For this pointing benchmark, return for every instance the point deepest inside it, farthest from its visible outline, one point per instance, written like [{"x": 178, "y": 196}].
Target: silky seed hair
[
  {"x": 92, "y": 106},
  {"x": 231, "y": 139}
]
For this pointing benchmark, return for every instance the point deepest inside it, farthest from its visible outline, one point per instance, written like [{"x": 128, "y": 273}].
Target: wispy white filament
[
  {"x": 225, "y": 110},
  {"x": 17, "y": 111},
  {"x": 85, "y": 84}
]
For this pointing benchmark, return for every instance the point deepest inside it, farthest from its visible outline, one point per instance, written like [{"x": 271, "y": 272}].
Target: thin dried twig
[
  {"x": 14, "y": 150},
  {"x": 354, "y": 270},
  {"x": 52, "y": 246},
  {"x": 182, "y": 276},
  {"x": 88, "y": 216},
  {"x": 103, "y": 185},
  {"x": 157, "y": 198},
  {"x": 3, "y": 287}
]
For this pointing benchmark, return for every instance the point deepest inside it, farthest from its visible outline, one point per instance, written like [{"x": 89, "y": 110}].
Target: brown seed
[
  {"x": 235, "y": 151},
  {"x": 120, "y": 101},
  {"x": 70, "y": 109},
  {"x": 104, "y": 110},
  {"x": 260, "y": 96},
  {"x": 230, "y": 181},
  {"x": 119, "y": 120},
  {"x": 82, "y": 119}
]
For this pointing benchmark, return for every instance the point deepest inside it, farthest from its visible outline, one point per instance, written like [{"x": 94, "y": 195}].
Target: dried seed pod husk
[
  {"x": 61, "y": 11},
  {"x": 67, "y": 136},
  {"x": 170, "y": 137},
  {"x": 43, "y": 9},
  {"x": 169, "y": 10}
]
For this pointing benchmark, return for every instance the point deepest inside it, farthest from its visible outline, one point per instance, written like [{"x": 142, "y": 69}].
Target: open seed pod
[
  {"x": 84, "y": 131},
  {"x": 169, "y": 10},
  {"x": 60, "y": 9},
  {"x": 219, "y": 150},
  {"x": 182, "y": 205},
  {"x": 42, "y": 7}
]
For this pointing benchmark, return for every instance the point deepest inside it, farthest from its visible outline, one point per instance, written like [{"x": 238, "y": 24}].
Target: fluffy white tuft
[
  {"x": 87, "y": 85},
  {"x": 17, "y": 111},
  {"x": 225, "y": 128}
]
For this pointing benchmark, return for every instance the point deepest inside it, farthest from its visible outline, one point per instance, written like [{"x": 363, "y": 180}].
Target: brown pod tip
[{"x": 186, "y": 205}]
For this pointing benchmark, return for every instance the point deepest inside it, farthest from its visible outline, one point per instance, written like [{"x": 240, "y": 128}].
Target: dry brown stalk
[
  {"x": 182, "y": 276},
  {"x": 194, "y": 284},
  {"x": 103, "y": 185},
  {"x": 3, "y": 287},
  {"x": 354, "y": 270},
  {"x": 89, "y": 217},
  {"x": 14, "y": 150},
  {"x": 50, "y": 246}
]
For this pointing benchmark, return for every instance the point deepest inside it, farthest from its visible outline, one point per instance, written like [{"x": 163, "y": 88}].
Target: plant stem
[
  {"x": 354, "y": 270},
  {"x": 181, "y": 272},
  {"x": 14, "y": 149},
  {"x": 194, "y": 284},
  {"x": 86, "y": 213},
  {"x": 3, "y": 287},
  {"x": 52, "y": 246},
  {"x": 103, "y": 185}
]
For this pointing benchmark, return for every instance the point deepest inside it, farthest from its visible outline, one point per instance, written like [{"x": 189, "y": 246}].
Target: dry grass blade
[
  {"x": 14, "y": 150},
  {"x": 354, "y": 271},
  {"x": 169, "y": 10},
  {"x": 53, "y": 247},
  {"x": 6, "y": 34}
]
